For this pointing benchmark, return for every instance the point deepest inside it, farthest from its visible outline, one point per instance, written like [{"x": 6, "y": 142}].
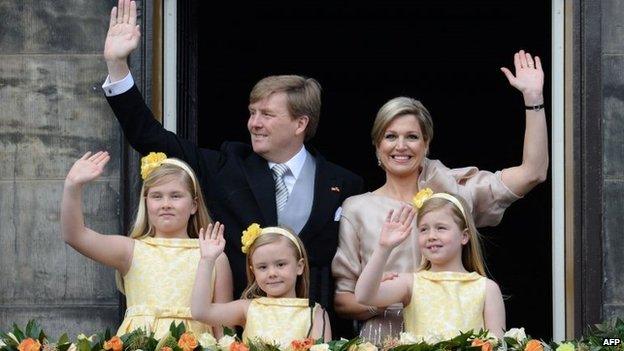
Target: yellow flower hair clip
[
  {"x": 150, "y": 162},
  {"x": 249, "y": 236},
  {"x": 422, "y": 196},
  {"x": 254, "y": 231},
  {"x": 426, "y": 194}
]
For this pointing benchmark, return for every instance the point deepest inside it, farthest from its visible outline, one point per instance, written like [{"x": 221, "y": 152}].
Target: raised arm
[
  {"x": 140, "y": 128},
  {"x": 369, "y": 290},
  {"x": 122, "y": 38},
  {"x": 223, "y": 287},
  {"x": 211, "y": 244},
  {"x": 346, "y": 305},
  {"x": 529, "y": 79},
  {"x": 112, "y": 250}
]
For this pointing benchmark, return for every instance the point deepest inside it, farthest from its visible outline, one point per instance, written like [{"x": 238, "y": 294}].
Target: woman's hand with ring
[{"x": 528, "y": 78}]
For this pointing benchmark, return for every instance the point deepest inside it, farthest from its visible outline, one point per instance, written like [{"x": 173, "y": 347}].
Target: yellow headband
[
  {"x": 425, "y": 194},
  {"x": 254, "y": 231},
  {"x": 154, "y": 159}
]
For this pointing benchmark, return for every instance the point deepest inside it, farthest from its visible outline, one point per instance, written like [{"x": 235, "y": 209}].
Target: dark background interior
[{"x": 445, "y": 53}]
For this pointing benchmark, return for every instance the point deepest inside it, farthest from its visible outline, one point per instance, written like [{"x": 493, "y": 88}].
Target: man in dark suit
[{"x": 276, "y": 181}]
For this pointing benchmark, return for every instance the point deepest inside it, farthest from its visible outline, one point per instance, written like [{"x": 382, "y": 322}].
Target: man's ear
[{"x": 302, "y": 124}]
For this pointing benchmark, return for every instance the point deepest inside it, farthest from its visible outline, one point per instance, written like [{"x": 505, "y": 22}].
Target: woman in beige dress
[{"x": 402, "y": 133}]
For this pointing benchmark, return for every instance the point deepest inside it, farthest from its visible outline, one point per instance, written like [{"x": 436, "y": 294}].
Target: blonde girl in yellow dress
[
  {"x": 274, "y": 307},
  {"x": 156, "y": 265},
  {"x": 450, "y": 292}
]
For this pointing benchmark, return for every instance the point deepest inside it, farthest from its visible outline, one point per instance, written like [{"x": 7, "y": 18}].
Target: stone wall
[
  {"x": 52, "y": 111},
  {"x": 613, "y": 157}
]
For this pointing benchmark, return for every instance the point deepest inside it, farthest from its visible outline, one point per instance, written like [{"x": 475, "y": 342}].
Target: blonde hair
[
  {"x": 168, "y": 170},
  {"x": 303, "y": 281},
  {"x": 303, "y": 97},
  {"x": 472, "y": 258},
  {"x": 398, "y": 107}
]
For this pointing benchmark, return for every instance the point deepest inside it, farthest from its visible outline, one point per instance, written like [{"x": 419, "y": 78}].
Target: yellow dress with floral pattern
[
  {"x": 278, "y": 320},
  {"x": 445, "y": 303},
  {"x": 159, "y": 285}
]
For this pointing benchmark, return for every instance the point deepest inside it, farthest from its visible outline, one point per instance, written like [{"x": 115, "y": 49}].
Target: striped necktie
[{"x": 281, "y": 192}]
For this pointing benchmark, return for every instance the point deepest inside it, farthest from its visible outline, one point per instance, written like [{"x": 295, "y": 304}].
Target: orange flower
[
  {"x": 166, "y": 348},
  {"x": 29, "y": 344},
  {"x": 301, "y": 345},
  {"x": 485, "y": 345},
  {"x": 114, "y": 344},
  {"x": 238, "y": 346},
  {"x": 534, "y": 345},
  {"x": 187, "y": 342}
]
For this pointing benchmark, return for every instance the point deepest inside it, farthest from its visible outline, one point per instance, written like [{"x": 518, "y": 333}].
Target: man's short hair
[{"x": 303, "y": 96}]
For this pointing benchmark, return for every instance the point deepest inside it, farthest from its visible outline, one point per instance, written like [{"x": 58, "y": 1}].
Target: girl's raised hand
[
  {"x": 397, "y": 227},
  {"x": 211, "y": 241},
  {"x": 87, "y": 168}
]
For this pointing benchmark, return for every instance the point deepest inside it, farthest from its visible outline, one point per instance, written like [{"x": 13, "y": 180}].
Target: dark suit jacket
[{"x": 239, "y": 190}]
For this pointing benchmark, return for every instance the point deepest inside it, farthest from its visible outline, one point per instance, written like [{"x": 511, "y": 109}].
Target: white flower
[
  {"x": 13, "y": 337},
  {"x": 320, "y": 347},
  {"x": 492, "y": 339},
  {"x": 226, "y": 341},
  {"x": 84, "y": 337},
  {"x": 2, "y": 344},
  {"x": 516, "y": 333},
  {"x": 206, "y": 340},
  {"x": 367, "y": 346},
  {"x": 72, "y": 347},
  {"x": 406, "y": 338}
]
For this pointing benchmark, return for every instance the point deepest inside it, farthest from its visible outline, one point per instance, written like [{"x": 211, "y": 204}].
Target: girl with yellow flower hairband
[
  {"x": 275, "y": 306},
  {"x": 156, "y": 264},
  {"x": 450, "y": 293}
]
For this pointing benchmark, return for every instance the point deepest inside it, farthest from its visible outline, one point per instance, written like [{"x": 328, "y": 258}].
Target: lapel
[
  {"x": 262, "y": 186},
  {"x": 325, "y": 199}
]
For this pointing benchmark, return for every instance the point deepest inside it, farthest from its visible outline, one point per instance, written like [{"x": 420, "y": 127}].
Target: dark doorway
[{"x": 445, "y": 53}]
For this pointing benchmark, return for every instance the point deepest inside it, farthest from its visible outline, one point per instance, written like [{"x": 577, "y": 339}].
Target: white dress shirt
[
  {"x": 119, "y": 87},
  {"x": 295, "y": 164}
]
